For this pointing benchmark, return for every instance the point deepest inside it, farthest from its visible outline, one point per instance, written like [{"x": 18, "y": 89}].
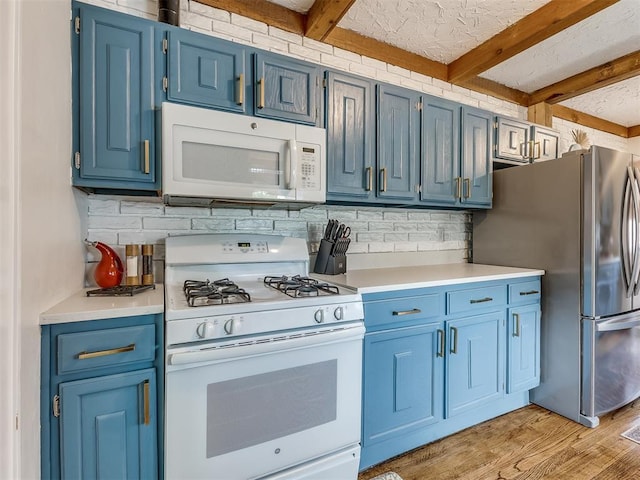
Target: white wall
[
  {"x": 634, "y": 145},
  {"x": 8, "y": 220},
  {"x": 49, "y": 242}
]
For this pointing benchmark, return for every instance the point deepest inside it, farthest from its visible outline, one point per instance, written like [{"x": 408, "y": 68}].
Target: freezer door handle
[{"x": 621, "y": 322}]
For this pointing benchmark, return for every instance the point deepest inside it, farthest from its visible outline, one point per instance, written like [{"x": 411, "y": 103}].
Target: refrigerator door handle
[
  {"x": 636, "y": 227},
  {"x": 626, "y": 254},
  {"x": 620, "y": 322}
]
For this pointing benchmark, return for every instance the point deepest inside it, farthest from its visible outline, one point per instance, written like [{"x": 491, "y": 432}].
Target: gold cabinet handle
[
  {"x": 536, "y": 145},
  {"x": 104, "y": 353},
  {"x": 458, "y": 188},
  {"x": 146, "y": 156},
  {"x": 454, "y": 339},
  {"x": 240, "y": 90},
  {"x": 516, "y": 330},
  {"x": 440, "y": 351},
  {"x": 530, "y": 292},
  {"x": 413, "y": 311},
  {"x": 467, "y": 184},
  {"x": 383, "y": 173},
  {"x": 261, "y": 93},
  {"x": 369, "y": 171},
  {"x": 481, "y": 300},
  {"x": 147, "y": 404}
]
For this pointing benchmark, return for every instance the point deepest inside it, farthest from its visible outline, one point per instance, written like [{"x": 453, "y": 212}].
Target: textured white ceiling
[
  {"x": 609, "y": 34},
  {"x": 618, "y": 103},
  {"x": 441, "y": 30}
]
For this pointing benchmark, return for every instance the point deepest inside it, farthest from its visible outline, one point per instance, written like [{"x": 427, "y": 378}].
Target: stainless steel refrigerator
[{"x": 578, "y": 218}]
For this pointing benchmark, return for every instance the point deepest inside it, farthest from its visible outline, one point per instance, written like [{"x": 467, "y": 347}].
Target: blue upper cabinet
[
  {"x": 398, "y": 128},
  {"x": 350, "y": 135},
  {"x": 440, "y": 152},
  {"x": 476, "y": 158},
  {"x": 286, "y": 88},
  {"x": 206, "y": 71},
  {"x": 114, "y": 126}
]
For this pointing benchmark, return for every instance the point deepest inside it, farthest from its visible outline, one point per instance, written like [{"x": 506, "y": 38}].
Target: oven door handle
[{"x": 264, "y": 346}]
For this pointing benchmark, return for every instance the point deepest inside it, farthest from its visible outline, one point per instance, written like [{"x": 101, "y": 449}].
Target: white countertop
[
  {"x": 79, "y": 307},
  {"x": 401, "y": 278}
]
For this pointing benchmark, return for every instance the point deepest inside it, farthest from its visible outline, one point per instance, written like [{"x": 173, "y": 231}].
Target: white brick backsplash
[
  {"x": 257, "y": 224},
  {"x": 145, "y": 6},
  {"x": 396, "y": 237},
  {"x": 231, "y": 212},
  {"x": 369, "y": 215},
  {"x": 232, "y": 30},
  {"x": 358, "y": 247},
  {"x": 412, "y": 84},
  {"x": 212, "y": 224},
  {"x": 144, "y": 237},
  {"x": 187, "y": 211},
  {"x": 103, "y": 207},
  {"x": 266, "y": 42},
  {"x": 444, "y": 86},
  {"x": 347, "y": 55},
  {"x": 332, "y": 61},
  {"x": 304, "y": 52},
  {"x": 369, "y": 237},
  {"x": 312, "y": 213},
  {"x": 110, "y": 237},
  {"x": 381, "y": 226},
  {"x": 292, "y": 38},
  {"x": 249, "y": 23},
  {"x": 283, "y": 226},
  {"x": 377, "y": 247},
  {"x": 394, "y": 215},
  {"x": 198, "y": 21},
  {"x": 405, "y": 246},
  {"x": 144, "y": 208},
  {"x": 206, "y": 11},
  {"x": 405, "y": 227},
  {"x": 363, "y": 70},
  {"x": 270, "y": 213},
  {"x": 372, "y": 62},
  {"x": 440, "y": 217},
  {"x": 401, "y": 72},
  {"x": 166, "y": 223},
  {"x": 414, "y": 215},
  {"x": 314, "y": 44},
  {"x": 114, "y": 222}
]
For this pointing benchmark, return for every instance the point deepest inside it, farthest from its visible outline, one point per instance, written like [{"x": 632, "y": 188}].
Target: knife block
[{"x": 327, "y": 262}]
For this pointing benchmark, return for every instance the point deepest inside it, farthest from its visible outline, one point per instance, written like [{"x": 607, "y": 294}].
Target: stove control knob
[
  {"x": 339, "y": 313},
  {"x": 205, "y": 330},
  {"x": 228, "y": 326},
  {"x": 319, "y": 316}
]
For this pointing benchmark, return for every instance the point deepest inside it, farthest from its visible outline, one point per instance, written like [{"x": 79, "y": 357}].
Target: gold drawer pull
[
  {"x": 481, "y": 300},
  {"x": 146, "y": 157},
  {"x": 261, "y": 93},
  {"x": 147, "y": 408},
  {"x": 530, "y": 292},
  {"x": 240, "y": 90},
  {"x": 407, "y": 312},
  {"x": 104, "y": 353}
]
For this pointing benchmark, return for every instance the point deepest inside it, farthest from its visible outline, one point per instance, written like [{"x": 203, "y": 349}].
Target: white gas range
[{"x": 263, "y": 363}]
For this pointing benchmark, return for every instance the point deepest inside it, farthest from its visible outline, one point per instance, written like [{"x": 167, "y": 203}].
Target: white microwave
[{"x": 211, "y": 157}]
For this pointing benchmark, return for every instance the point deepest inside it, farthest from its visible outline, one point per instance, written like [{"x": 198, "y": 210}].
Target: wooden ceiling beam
[
  {"x": 495, "y": 89},
  {"x": 262, "y": 11},
  {"x": 354, "y": 42},
  {"x": 324, "y": 16},
  {"x": 590, "y": 121},
  {"x": 545, "y": 22},
  {"x": 633, "y": 131},
  {"x": 598, "y": 77}
]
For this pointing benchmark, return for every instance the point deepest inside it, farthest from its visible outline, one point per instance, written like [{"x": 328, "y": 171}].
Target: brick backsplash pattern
[{"x": 118, "y": 221}]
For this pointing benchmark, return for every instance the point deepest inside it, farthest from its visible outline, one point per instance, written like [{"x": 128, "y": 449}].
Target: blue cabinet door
[
  {"x": 285, "y": 88},
  {"x": 398, "y": 130},
  {"x": 116, "y": 127},
  {"x": 523, "y": 333},
  {"x": 476, "y": 158},
  {"x": 350, "y": 136},
  {"x": 475, "y": 352},
  {"x": 206, "y": 71},
  {"x": 440, "y": 166},
  {"x": 402, "y": 383},
  {"x": 108, "y": 426}
]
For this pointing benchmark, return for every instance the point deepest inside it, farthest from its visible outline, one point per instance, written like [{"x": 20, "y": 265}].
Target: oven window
[
  {"x": 299, "y": 398},
  {"x": 230, "y": 164}
]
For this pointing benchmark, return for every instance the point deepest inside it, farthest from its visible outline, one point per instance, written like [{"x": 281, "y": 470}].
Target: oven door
[{"x": 261, "y": 406}]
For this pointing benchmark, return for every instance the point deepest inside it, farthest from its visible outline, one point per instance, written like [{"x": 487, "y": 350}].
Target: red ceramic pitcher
[{"x": 109, "y": 270}]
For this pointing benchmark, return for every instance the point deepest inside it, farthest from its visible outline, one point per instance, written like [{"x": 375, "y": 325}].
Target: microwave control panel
[{"x": 309, "y": 167}]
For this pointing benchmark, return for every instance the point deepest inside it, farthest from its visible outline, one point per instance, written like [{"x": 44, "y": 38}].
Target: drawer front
[
  {"x": 405, "y": 309},
  {"x": 472, "y": 299},
  {"x": 525, "y": 292},
  {"x": 105, "y": 348}
]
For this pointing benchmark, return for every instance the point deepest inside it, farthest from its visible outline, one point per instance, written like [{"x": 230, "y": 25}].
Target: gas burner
[
  {"x": 219, "y": 292},
  {"x": 298, "y": 286}
]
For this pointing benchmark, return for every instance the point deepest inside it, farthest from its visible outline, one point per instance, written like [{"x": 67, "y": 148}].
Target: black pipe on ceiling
[{"x": 169, "y": 11}]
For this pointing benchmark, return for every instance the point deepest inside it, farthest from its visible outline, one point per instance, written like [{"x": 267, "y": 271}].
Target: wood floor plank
[{"x": 528, "y": 444}]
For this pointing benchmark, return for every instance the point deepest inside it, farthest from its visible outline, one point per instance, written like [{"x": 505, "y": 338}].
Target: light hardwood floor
[{"x": 530, "y": 443}]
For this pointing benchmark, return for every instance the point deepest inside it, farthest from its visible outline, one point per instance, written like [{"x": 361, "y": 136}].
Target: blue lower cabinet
[
  {"x": 475, "y": 353},
  {"x": 523, "y": 333},
  {"x": 108, "y": 427},
  {"x": 436, "y": 361},
  {"x": 402, "y": 382}
]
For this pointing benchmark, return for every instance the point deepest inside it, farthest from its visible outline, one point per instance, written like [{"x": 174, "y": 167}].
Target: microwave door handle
[{"x": 290, "y": 172}]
